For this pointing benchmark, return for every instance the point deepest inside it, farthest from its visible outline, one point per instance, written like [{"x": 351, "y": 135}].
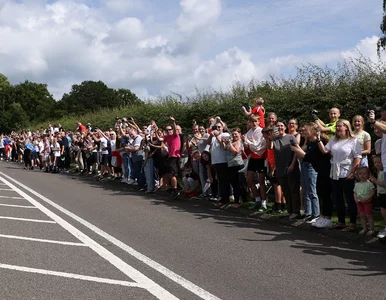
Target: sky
[{"x": 156, "y": 47}]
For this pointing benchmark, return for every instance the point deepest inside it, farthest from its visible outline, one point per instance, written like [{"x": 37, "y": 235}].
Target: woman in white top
[
  {"x": 346, "y": 154},
  {"x": 364, "y": 138}
]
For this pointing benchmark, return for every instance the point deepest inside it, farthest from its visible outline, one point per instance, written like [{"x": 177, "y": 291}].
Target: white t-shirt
[
  {"x": 363, "y": 137},
  {"x": 383, "y": 151},
  {"x": 219, "y": 154},
  {"x": 258, "y": 144},
  {"x": 1, "y": 143},
  {"x": 104, "y": 145},
  {"x": 41, "y": 147},
  {"x": 56, "y": 152},
  {"x": 343, "y": 153}
]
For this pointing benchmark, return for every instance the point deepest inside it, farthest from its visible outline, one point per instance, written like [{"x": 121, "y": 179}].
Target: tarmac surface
[{"x": 70, "y": 237}]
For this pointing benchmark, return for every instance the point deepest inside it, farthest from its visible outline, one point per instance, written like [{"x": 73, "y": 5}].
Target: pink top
[{"x": 174, "y": 145}]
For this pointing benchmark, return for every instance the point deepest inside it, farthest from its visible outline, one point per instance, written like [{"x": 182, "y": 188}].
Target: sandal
[
  {"x": 339, "y": 226},
  {"x": 348, "y": 229},
  {"x": 363, "y": 232},
  {"x": 370, "y": 233}
]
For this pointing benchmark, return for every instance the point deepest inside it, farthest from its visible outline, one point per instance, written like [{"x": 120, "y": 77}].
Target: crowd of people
[{"x": 312, "y": 168}]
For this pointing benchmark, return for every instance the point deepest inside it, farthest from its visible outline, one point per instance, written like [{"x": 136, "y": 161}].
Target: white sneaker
[
  {"x": 382, "y": 234},
  {"x": 130, "y": 181},
  {"x": 326, "y": 223},
  {"x": 124, "y": 180},
  {"x": 135, "y": 182},
  {"x": 317, "y": 221}
]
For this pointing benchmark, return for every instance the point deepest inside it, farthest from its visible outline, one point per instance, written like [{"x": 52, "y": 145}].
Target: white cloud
[
  {"x": 175, "y": 49},
  {"x": 198, "y": 14},
  {"x": 366, "y": 48}
]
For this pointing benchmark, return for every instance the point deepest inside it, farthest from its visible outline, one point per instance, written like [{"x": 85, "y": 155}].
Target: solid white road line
[
  {"x": 27, "y": 220},
  {"x": 11, "y": 197},
  {"x": 6, "y": 189},
  {"x": 143, "y": 281},
  {"x": 69, "y": 275},
  {"x": 193, "y": 288},
  {"x": 41, "y": 240},
  {"x": 18, "y": 206}
]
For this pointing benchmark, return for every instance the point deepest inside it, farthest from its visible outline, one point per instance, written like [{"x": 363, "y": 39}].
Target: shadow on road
[{"x": 370, "y": 260}]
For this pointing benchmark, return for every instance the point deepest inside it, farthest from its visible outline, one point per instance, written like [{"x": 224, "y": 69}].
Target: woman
[
  {"x": 287, "y": 176},
  {"x": 206, "y": 161},
  {"x": 363, "y": 137},
  {"x": 235, "y": 163},
  {"x": 272, "y": 119},
  {"x": 346, "y": 155},
  {"x": 320, "y": 163}
]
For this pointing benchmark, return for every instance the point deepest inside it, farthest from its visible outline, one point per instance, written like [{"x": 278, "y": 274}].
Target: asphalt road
[{"x": 69, "y": 237}]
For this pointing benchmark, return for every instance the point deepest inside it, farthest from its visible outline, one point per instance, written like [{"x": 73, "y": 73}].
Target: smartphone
[
  {"x": 275, "y": 130},
  {"x": 246, "y": 105}
]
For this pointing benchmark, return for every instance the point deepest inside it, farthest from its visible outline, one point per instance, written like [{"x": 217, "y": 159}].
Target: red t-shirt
[
  {"x": 258, "y": 111},
  {"x": 174, "y": 145}
]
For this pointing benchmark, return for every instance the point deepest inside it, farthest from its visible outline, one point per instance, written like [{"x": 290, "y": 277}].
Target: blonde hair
[
  {"x": 314, "y": 128},
  {"x": 358, "y": 117},
  {"x": 254, "y": 118},
  {"x": 347, "y": 124},
  {"x": 260, "y": 101}
]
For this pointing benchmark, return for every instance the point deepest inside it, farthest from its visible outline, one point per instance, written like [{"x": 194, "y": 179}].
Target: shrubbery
[{"x": 350, "y": 86}]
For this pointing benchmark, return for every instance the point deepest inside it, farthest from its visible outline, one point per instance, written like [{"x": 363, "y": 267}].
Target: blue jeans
[
  {"x": 308, "y": 177},
  {"x": 149, "y": 174},
  {"x": 138, "y": 173},
  {"x": 126, "y": 166}
]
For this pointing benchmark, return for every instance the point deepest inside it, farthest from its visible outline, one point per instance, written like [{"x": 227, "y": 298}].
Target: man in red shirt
[
  {"x": 81, "y": 128},
  {"x": 173, "y": 141}
]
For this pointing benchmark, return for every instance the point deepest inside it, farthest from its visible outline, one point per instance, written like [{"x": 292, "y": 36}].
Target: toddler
[
  {"x": 381, "y": 189},
  {"x": 364, "y": 191}
]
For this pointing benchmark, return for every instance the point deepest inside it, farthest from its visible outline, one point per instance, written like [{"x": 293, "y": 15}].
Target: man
[
  {"x": 137, "y": 158},
  {"x": 330, "y": 128},
  {"x": 173, "y": 141},
  {"x": 255, "y": 142},
  {"x": 219, "y": 158},
  {"x": 81, "y": 128}
]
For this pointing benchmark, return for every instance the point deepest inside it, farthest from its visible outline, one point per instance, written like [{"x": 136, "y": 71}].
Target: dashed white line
[
  {"x": 17, "y": 206},
  {"x": 41, "y": 240},
  {"x": 143, "y": 281},
  {"x": 188, "y": 285},
  {"x": 27, "y": 220},
  {"x": 8, "y": 197},
  {"x": 69, "y": 275}
]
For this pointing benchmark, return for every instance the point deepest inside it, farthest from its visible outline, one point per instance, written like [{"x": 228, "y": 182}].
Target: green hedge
[{"x": 349, "y": 86}]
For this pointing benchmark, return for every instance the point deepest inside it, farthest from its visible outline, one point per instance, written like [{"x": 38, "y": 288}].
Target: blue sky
[{"x": 155, "y": 47}]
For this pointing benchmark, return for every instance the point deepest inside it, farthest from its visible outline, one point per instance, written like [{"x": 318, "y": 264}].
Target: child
[
  {"x": 257, "y": 110},
  {"x": 381, "y": 189},
  {"x": 191, "y": 182},
  {"x": 364, "y": 191}
]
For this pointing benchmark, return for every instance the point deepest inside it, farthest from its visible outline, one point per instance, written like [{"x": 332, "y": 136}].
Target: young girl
[
  {"x": 364, "y": 191},
  {"x": 381, "y": 189},
  {"x": 258, "y": 110}
]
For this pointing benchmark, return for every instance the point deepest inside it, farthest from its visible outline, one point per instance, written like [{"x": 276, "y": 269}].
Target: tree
[
  {"x": 35, "y": 100},
  {"x": 381, "y": 45},
  {"x": 125, "y": 98}
]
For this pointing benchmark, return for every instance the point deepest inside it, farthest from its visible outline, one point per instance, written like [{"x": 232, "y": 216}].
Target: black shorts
[
  {"x": 172, "y": 165},
  {"x": 33, "y": 155},
  {"x": 382, "y": 200},
  {"x": 257, "y": 165},
  {"x": 105, "y": 160}
]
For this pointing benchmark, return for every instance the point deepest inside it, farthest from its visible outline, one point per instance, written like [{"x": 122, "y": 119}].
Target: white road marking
[
  {"x": 11, "y": 197},
  {"x": 195, "y": 289},
  {"x": 69, "y": 275},
  {"x": 27, "y": 220},
  {"x": 6, "y": 189},
  {"x": 143, "y": 281},
  {"x": 18, "y": 206},
  {"x": 41, "y": 240}
]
